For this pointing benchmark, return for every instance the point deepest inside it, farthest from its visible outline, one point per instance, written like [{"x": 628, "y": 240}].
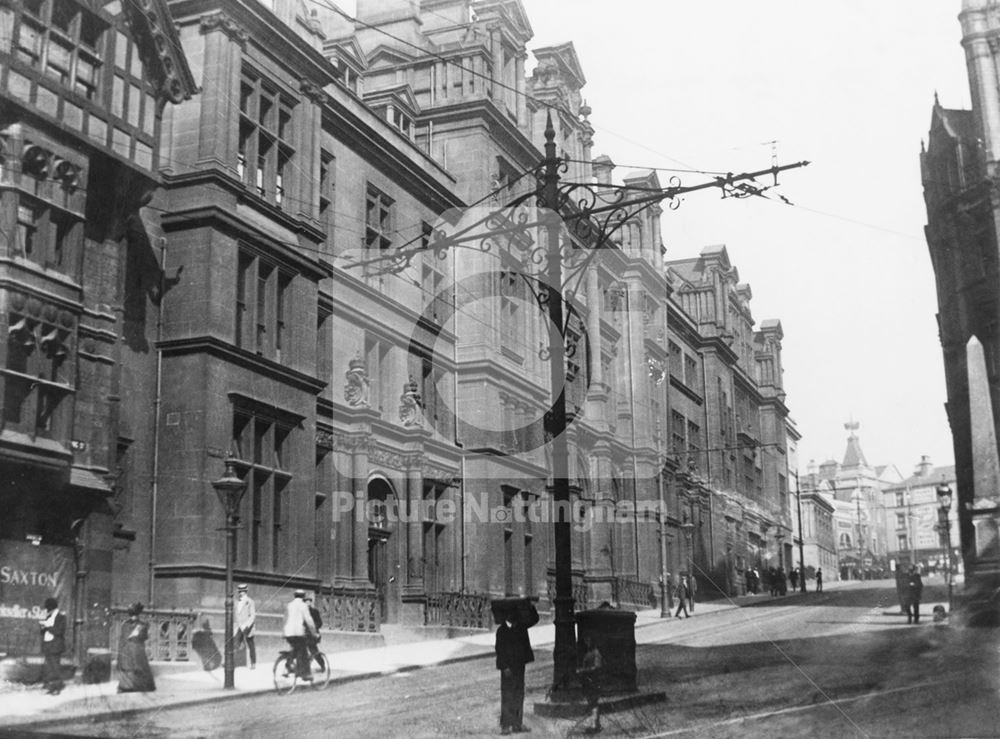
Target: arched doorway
[{"x": 381, "y": 555}]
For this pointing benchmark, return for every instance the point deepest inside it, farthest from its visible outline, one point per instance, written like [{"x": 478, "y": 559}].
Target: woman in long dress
[{"x": 134, "y": 673}]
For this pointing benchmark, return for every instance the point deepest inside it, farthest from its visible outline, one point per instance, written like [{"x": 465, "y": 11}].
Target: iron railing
[
  {"x": 350, "y": 611},
  {"x": 629, "y": 593},
  {"x": 170, "y": 633},
  {"x": 468, "y": 610},
  {"x": 581, "y": 600}
]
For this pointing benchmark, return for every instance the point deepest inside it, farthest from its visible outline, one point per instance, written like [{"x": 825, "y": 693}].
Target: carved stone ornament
[
  {"x": 325, "y": 440},
  {"x": 656, "y": 371},
  {"x": 380, "y": 456},
  {"x": 312, "y": 92},
  {"x": 221, "y": 21},
  {"x": 356, "y": 390},
  {"x": 410, "y": 407}
]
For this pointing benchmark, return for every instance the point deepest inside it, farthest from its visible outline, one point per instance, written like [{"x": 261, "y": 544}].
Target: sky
[{"x": 847, "y": 85}]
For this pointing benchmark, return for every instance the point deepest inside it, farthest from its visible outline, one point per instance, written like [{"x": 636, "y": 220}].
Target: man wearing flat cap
[
  {"x": 299, "y": 626},
  {"x": 246, "y": 616}
]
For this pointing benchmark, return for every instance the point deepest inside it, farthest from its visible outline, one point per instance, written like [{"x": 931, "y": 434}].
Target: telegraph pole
[
  {"x": 593, "y": 213},
  {"x": 564, "y": 652},
  {"x": 798, "y": 505}
]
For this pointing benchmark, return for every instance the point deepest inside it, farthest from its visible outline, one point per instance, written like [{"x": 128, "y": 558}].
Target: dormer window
[
  {"x": 349, "y": 76},
  {"x": 399, "y": 120}
]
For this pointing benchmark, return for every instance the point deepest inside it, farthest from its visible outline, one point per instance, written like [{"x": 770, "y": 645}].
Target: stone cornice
[{"x": 221, "y": 350}]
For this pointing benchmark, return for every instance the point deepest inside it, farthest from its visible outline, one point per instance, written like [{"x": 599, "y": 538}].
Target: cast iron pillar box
[{"x": 613, "y": 633}]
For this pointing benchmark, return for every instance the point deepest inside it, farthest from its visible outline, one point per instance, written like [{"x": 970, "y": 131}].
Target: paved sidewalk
[{"x": 21, "y": 705}]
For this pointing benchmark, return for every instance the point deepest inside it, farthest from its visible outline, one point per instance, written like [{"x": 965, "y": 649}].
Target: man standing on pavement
[
  {"x": 914, "y": 589},
  {"x": 246, "y": 616},
  {"x": 513, "y": 648},
  {"x": 298, "y": 626},
  {"x": 53, "y": 628},
  {"x": 819, "y": 580}
]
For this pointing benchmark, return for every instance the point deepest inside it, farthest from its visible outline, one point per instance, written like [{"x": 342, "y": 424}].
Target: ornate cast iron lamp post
[
  {"x": 230, "y": 489},
  {"x": 591, "y": 214}
]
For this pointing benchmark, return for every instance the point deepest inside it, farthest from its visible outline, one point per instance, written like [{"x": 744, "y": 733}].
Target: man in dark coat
[
  {"x": 914, "y": 589},
  {"x": 513, "y": 648},
  {"x": 53, "y": 628}
]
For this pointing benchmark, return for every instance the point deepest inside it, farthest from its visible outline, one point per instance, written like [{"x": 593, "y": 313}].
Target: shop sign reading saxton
[{"x": 28, "y": 575}]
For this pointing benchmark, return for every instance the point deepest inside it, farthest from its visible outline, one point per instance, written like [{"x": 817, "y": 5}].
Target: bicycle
[{"x": 286, "y": 676}]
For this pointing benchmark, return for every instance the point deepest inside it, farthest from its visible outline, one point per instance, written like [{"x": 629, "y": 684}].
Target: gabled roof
[
  {"x": 388, "y": 55},
  {"x": 155, "y": 31},
  {"x": 956, "y": 124},
  {"x": 512, "y": 9},
  {"x": 566, "y": 60},
  {"x": 933, "y": 477},
  {"x": 348, "y": 49},
  {"x": 642, "y": 178},
  {"x": 401, "y": 95}
]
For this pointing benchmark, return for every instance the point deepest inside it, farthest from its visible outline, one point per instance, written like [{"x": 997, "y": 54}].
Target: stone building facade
[
  {"x": 912, "y": 517},
  {"x": 83, "y": 90},
  {"x": 235, "y": 296},
  {"x": 958, "y": 171},
  {"x": 733, "y": 485}
]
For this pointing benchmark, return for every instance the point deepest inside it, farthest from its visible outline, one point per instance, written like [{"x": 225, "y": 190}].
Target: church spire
[{"x": 853, "y": 457}]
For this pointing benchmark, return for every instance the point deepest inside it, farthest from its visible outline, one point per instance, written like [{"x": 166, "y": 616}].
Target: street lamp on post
[
  {"x": 944, "y": 526},
  {"x": 230, "y": 489},
  {"x": 688, "y": 528},
  {"x": 592, "y": 214}
]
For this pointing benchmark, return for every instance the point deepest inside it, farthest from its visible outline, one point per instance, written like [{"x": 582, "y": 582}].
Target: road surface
[{"x": 837, "y": 664}]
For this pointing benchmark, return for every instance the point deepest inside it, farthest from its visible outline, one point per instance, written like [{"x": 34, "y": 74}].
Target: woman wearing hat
[
  {"x": 134, "y": 672},
  {"x": 53, "y": 628}
]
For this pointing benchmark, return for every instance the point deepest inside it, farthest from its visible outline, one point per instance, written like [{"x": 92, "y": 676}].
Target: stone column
[
  {"x": 981, "y": 55},
  {"x": 496, "y": 47},
  {"x": 305, "y": 182},
  {"x": 343, "y": 520},
  {"x": 359, "y": 549},
  {"x": 520, "y": 83},
  {"x": 217, "y": 125},
  {"x": 414, "y": 530}
]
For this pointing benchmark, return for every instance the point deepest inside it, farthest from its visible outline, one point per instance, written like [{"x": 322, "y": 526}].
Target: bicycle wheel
[
  {"x": 321, "y": 670},
  {"x": 284, "y": 673}
]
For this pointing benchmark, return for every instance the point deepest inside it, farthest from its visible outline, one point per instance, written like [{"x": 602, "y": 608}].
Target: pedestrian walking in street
[
  {"x": 782, "y": 581},
  {"x": 246, "y": 618},
  {"x": 513, "y": 650},
  {"x": 683, "y": 595},
  {"x": 53, "y": 631},
  {"x": 134, "y": 673},
  {"x": 819, "y": 580},
  {"x": 298, "y": 627},
  {"x": 794, "y": 577},
  {"x": 914, "y": 590},
  {"x": 772, "y": 581}
]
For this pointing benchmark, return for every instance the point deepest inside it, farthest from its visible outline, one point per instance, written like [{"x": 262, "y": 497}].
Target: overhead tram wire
[{"x": 329, "y": 6}]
